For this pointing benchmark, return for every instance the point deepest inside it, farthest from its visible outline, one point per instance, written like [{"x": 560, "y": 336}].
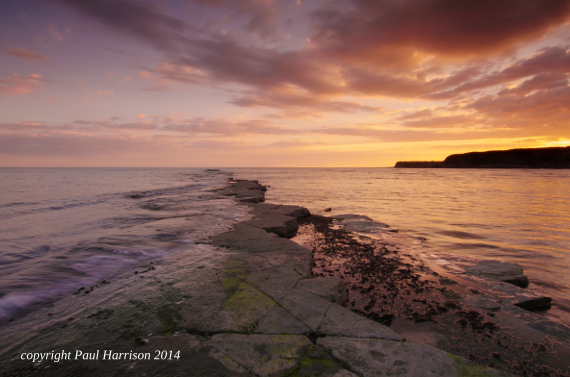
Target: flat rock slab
[
  {"x": 252, "y": 239},
  {"x": 245, "y": 191},
  {"x": 378, "y": 358},
  {"x": 280, "y": 321},
  {"x": 331, "y": 289},
  {"x": 506, "y": 272},
  {"x": 278, "y": 219},
  {"x": 363, "y": 224},
  {"x": 261, "y": 355},
  {"x": 294, "y": 211},
  {"x": 283, "y": 226},
  {"x": 224, "y": 302},
  {"x": 307, "y": 307},
  {"x": 340, "y": 321}
]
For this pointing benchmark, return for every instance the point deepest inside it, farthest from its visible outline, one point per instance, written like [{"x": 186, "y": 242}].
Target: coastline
[{"x": 251, "y": 308}]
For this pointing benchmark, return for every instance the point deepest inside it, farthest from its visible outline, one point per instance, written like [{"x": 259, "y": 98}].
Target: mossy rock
[{"x": 316, "y": 361}]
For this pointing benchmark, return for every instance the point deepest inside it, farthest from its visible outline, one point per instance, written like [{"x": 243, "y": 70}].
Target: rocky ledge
[{"x": 251, "y": 308}]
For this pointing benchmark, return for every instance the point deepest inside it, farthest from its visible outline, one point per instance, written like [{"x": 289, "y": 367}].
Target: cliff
[{"x": 530, "y": 158}]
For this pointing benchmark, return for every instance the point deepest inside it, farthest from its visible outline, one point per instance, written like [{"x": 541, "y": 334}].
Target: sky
[{"x": 278, "y": 83}]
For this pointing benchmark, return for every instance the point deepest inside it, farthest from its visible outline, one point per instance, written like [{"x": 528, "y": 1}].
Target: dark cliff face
[
  {"x": 531, "y": 158},
  {"x": 418, "y": 164},
  {"x": 553, "y": 158}
]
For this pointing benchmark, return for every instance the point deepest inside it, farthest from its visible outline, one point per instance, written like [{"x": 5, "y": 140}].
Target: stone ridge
[{"x": 245, "y": 191}]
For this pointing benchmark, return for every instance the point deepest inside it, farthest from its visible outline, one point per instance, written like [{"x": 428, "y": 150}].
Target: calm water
[
  {"x": 519, "y": 215},
  {"x": 61, "y": 229}
]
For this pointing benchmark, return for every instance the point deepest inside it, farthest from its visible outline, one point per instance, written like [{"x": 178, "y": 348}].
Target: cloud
[
  {"x": 292, "y": 99},
  {"x": 452, "y": 121},
  {"x": 362, "y": 29},
  {"x": 18, "y": 84},
  {"x": 545, "y": 110},
  {"x": 72, "y": 146},
  {"x": 416, "y": 114},
  {"x": 55, "y": 33},
  {"x": 101, "y": 93},
  {"x": 260, "y": 17},
  {"x": 364, "y": 132},
  {"x": 139, "y": 20},
  {"x": 22, "y": 53},
  {"x": 542, "y": 81},
  {"x": 227, "y": 127},
  {"x": 164, "y": 125},
  {"x": 465, "y": 56},
  {"x": 551, "y": 60}
]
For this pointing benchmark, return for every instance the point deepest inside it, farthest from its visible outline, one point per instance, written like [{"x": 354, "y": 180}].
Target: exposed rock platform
[{"x": 250, "y": 309}]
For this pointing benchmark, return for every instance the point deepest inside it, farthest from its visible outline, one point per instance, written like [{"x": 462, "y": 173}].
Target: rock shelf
[{"x": 253, "y": 307}]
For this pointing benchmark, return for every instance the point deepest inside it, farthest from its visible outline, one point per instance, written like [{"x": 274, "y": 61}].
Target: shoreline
[
  {"x": 469, "y": 311},
  {"x": 250, "y": 308}
]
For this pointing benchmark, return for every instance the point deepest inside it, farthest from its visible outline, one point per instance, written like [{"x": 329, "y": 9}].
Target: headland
[{"x": 529, "y": 158}]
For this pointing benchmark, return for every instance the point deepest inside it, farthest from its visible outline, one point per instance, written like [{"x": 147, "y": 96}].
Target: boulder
[{"x": 506, "y": 272}]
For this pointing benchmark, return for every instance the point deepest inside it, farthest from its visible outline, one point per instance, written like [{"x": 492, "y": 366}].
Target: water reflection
[{"x": 518, "y": 215}]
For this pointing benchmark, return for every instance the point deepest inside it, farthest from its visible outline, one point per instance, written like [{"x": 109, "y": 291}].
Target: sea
[{"x": 66, "y": 228}]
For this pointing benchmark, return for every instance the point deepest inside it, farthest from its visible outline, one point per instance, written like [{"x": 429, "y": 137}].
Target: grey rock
[
  {"x": 503, "y": 271},
  {"x": 340, "y": 321},
  {"x": 280, "y": 321},
  {"x": 262, "y": 355},
  {"x": 307, "y": 307},
  {"x": 522, "y": 298},
  {"x": 245, "y": 191},
  {"x": 228, "y": 304},
  {"x": 537, "y": 303},
  {"x": 252, "y": 239},
  {"x": 283, "y": 226},
  {"x": 331, "y": 289},
  {"x": 278, "y": 219},
  {"x": 294, "y": 211},
  {"x": 379, "y": 358}
]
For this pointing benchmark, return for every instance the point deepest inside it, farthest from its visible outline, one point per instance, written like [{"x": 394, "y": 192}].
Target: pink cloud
[
  {"x": 18, "y": 84},
  {"x": 22, "y": 53}
]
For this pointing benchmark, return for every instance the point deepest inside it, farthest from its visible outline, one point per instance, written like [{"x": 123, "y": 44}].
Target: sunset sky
[{"x": 230, "y": 83}]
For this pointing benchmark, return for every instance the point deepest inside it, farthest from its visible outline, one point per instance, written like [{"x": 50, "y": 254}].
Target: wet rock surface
[
  {"x": 481, "y": 320},
  {"x": 245, "y": 191},
  {"x": 248, "y": 306},
  {"x": 503, "y": 271}
]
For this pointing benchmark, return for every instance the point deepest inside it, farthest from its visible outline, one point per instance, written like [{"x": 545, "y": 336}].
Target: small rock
[
  {"x": 535, "y": 303},
  {"x": 447, "y": 281},
  {"x": 506, "y": 272},
  {"x": 140, "y": 341},
  {"x": 327, "y": 209}
]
